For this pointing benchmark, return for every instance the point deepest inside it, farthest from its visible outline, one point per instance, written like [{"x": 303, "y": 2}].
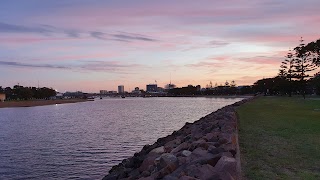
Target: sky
[{"x": 82, "y": 45}]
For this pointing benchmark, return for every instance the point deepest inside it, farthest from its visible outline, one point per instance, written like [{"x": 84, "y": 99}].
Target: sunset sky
[{"x": 91, "y": 45}]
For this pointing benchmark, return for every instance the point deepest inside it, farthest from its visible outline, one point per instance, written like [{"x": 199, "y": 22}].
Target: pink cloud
[
  {"x": 269, "y": 60},
  {"x": 206, "y": 64}
]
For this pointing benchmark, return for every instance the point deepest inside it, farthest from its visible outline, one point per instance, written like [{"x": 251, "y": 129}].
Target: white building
[
  {"x": 2, "y": 97},
  {"x": 121, "y": 89}
]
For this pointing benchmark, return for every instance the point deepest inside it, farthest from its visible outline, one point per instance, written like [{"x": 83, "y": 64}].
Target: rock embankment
[{"x": 205, "y": 149}]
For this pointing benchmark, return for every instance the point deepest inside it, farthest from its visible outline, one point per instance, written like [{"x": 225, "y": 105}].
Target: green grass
[{"x": 280, "y": 138}]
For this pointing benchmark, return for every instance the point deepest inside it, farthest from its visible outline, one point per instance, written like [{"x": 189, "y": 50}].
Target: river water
[{"x": 84, "y": 140}]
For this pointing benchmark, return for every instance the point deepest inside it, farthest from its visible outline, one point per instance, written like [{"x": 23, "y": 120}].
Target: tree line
[
  {"x": 226, "y": 89},
  {"x": 18, "y": 92},
  {"x": 297, "y": 75}
]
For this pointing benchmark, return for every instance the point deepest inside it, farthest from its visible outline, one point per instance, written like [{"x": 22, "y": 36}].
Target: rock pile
[{"x": 205, "y": 149}]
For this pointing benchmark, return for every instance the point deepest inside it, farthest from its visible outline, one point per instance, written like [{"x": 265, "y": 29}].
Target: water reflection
[{"x": 84, "y": 140}]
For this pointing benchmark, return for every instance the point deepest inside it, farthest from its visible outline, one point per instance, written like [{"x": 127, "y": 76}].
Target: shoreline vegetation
[
  {"x": 280, "y": 138},
  {"x": 31, "y": 103}
]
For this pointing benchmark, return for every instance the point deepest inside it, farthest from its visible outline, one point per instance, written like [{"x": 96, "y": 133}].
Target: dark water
[{"x": 84, "y": 140}]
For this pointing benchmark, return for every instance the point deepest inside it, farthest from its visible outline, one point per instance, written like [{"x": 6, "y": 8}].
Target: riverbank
[
  {"x": 280, "y": 138},
  {"x": 205, "y": 149},
  {"x": 31, "y": 103}
]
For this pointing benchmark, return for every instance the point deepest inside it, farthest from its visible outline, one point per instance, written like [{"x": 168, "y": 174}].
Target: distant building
[
  {"x": 77, "y": 94},
  {"x": 170, "y": 86},
  {"x": 136, "y": 91},
  {"x": 103, "y": 92},
  {"x": 151, "y": 88},
  {"x": 160, "y": 90},
  {"x": 198, "y": 87},
  {"x": 2, "y": 97},
  {"x": 59, "y": 95},
  {"x": 121, "y": 89}
]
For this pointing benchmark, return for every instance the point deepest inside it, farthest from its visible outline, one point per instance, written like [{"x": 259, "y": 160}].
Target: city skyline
[{"x": 89, "y": 46}]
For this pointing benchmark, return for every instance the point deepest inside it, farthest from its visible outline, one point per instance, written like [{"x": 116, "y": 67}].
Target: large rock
[
  {"x": 199, "y": 143},
  {"x": 181, "y": 147},
  {"x": 147, "y": 162},
  {"x": 186, "y": 153},
  {"x": 158, "y": 150},
  {"x": 202, "y": 156},
  {"x": 211, "y": 137},
  {"x": 230, "y": 148},
  {"x": 204, "y": 172},
  {"x": 169, "y": 161},
  {"x": 134, "y": 174},
  {"x": 169, "y": 146},
  {"x": 215, "y": 150},
  {"x": 227, "y": 165},
  {"x": 197, "y": 153},
  {"x": 145, "y": 173},
  {"x": 187, "y": 178}
]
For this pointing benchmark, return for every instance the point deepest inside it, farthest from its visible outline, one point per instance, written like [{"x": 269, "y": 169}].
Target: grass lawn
[{"x": 280, "y": 138}]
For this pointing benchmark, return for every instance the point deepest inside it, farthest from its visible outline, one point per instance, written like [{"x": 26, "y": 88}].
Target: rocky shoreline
[{"x": 205, "y": 149}]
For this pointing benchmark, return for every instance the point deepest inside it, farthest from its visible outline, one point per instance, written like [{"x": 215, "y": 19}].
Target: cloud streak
[
  {"x": 51, "y": 30},
  {"x": 46, "y": 30},
  {"x": 10, "y": 28},
  {"x": 131, "y": 36},
  {"x": 121, "y": 36},
  {"x": 19, "y": 64},
  {"x": 101, "y": 66},
  {"x": 216, "y": 43}
]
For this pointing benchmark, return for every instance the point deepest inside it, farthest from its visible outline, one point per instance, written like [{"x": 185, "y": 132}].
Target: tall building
[
  {"x": 152, "y": 88},
  {"x": 120, "y": 89}
]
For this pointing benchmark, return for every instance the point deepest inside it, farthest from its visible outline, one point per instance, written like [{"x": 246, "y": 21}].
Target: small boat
[{"x": 90, "y": 98}]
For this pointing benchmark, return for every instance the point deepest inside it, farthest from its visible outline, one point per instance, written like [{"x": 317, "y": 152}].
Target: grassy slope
[{"x": 280, "y": 138}]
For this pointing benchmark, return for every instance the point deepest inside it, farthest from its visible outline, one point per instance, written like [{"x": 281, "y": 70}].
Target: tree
[
  {"x": 227, "y": 84},
  {"x": 233, "y": 83},
  {"x": 233, "y": 87},
  {"x": 22, "y": 92},
  {"x": 9, "y": 93},
  {"x": 286, "y": 72},
  {"x": 314, "y": 49},
  {"x": 315, "y": 81},
  {"x": 303, "y": 65},
  {"x": 268, "y": 86}
]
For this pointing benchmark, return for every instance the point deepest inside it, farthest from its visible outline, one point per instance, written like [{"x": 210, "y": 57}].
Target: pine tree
[
  {"x": 286, "y": 72},
  {"x": 303, "y": 64}
]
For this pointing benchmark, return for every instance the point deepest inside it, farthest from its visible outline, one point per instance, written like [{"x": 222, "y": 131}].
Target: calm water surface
[{"x": 84, "y": 140}]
